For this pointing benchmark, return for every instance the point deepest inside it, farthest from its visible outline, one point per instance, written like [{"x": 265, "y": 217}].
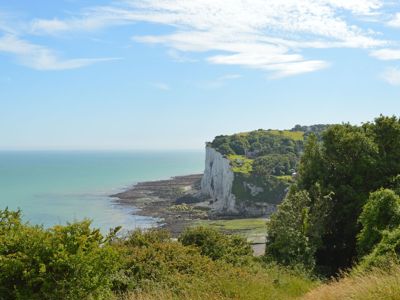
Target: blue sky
[{"x": 172, "y": 74}]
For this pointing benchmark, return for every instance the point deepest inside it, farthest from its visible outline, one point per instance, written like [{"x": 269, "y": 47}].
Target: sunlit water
[{"x": 57, "y": 187}]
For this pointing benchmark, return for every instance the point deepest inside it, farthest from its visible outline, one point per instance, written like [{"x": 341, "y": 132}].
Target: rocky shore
[{"x": 176, "y": 201}]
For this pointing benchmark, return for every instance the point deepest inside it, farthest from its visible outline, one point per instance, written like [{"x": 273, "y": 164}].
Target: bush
[
  {"x": 218, "y": 246},
  {"x": 288, "y": 240},
  {"x": 385, "y": 254},
  {"x": 77, "y": 262},
  {"x": 150, "y": 260},
  {"x": 381, "y": 212},
  {"x": 63, "y": 262}
]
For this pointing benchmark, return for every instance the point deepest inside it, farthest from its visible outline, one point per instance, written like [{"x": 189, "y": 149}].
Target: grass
[
  {"x": 277, "y": 283},
  {"x": 241, "y": 164},
  {"x": 232, "y": 283},
  {"x": 377, "y": 284},
  {"x": 254, "y": 229},
  {"x": 285, "y": 178},
  {"x": 294, "y": 135}
]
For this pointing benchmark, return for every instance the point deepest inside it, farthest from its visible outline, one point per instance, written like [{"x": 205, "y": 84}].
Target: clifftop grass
[
  {"x": 294, "y": 135},
  {"x": 241, "y": 164}
]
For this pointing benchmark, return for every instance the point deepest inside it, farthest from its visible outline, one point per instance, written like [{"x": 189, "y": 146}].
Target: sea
[{"x": 56, "y": 187}]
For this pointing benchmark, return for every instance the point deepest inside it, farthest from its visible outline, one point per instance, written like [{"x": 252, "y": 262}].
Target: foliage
[
  {"x": 63, "y": 262},
  {"x": 259, "y": 142},
  {"x": 381, "y": 212},
  {"x": 293, "y": 231},
  {"x": 218, "y": 246},
  {"x": 241, "y": 164},
  {"x": 273, "y": 188},
  {"x": 316, "y": 130},
  {"x": 348, "y": 163},
  {"x": 261, "y": 158},
  {"x": 76, "y": 262},
  {"x": 149, "y": 259},
  {"x": 385, "y": 254},
  {"x": 275, "y": 164}
]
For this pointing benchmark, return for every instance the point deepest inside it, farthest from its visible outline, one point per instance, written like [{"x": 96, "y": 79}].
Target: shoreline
[
  {"x": 177, "y": 203},
  {"x": 174, "y": 201}
]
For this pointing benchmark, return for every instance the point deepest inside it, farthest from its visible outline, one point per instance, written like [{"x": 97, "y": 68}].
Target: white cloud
[
  {"x": 49, "y": 26},
  {"x": 395, "y": 21},
  {"x": 263, "y": 34},
  {"x": 41, "y": 58},
  {"x": 386, "y": 54},
  {"x": 392, "y": 76}
]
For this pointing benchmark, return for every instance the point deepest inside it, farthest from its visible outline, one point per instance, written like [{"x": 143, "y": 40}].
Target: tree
[
  {"x": 348, "y": 163},
  {"x": 381, "y": 212},
  {"x": 288, "y": 239}
]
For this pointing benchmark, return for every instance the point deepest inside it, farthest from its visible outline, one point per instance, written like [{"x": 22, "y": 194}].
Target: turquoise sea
[{"x": 57, "y": 187}]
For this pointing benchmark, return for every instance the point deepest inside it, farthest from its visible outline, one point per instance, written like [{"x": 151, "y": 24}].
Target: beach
[{"x": 176, "y": 202}]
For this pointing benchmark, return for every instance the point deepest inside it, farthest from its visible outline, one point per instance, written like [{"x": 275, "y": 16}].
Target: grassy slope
[
  {"x": 257, "y": 284},
  {"x": 294, "y": 135},
  {"x": 274, "y": 283},
  {"x": 372, "y": 286}
]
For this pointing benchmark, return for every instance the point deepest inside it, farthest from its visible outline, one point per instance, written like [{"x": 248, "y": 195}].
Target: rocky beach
[{"x": 176, "y": 202}]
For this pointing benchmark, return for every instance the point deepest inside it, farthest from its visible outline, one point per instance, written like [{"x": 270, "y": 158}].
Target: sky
[{"x": 172, "y": 74}]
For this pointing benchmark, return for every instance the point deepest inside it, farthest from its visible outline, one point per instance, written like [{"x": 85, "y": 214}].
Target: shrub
[
  {"x": 385, "y": 254},
  {"x": 288, "y": 238},
  {"x": 64, "y": 262},
  {"x": 151, "y": 258},
  {"x": 381, "y": 212},
  {"x": 218, "y": 246}
]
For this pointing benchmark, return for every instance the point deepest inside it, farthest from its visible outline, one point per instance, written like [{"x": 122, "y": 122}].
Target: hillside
[{"x": 249, "y": 173}]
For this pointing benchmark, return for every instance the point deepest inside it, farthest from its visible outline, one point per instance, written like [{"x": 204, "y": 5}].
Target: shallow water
[{"x": 57, "y": 187}]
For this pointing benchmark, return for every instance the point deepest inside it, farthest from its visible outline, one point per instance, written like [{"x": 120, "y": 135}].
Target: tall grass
[
  {"x": 234, "y": 283},
  {"x": 375, "y": 285}
]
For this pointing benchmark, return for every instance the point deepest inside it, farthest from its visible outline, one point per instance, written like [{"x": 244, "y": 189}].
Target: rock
[{"x": 217, "y": 183}]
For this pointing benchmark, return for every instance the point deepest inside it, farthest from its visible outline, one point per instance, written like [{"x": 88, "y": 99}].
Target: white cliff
[{"x": 217, "y": 183}]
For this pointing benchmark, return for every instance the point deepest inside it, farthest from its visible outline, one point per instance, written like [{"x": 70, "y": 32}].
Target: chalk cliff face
[{"x": 217, "y": 183}]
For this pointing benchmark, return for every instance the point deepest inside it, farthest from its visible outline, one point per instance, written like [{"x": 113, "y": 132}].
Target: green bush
[
  {"x": 64, "y": 262},
  {"x": 77, "y": 262},
  {"x": 381, "y": 212},
  {"x": 218, "y": 246},
  {"x": 288, "y": 240},
  {"x": 348, "y": 163},
  {"x": 385, "y": 254}
]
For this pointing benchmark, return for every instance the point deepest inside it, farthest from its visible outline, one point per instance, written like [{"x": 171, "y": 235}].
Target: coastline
[{"x": 175, "y": 201}]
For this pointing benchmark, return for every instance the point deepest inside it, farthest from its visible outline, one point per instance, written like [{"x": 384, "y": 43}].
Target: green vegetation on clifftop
[{"x": 262, "y": 161}]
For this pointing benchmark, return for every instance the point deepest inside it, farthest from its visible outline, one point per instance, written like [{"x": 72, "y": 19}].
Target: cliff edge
[{"x": 248, "y": 174}]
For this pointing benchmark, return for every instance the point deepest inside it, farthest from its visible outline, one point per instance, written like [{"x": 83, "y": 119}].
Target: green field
[{"x": 254, "y": 229}]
